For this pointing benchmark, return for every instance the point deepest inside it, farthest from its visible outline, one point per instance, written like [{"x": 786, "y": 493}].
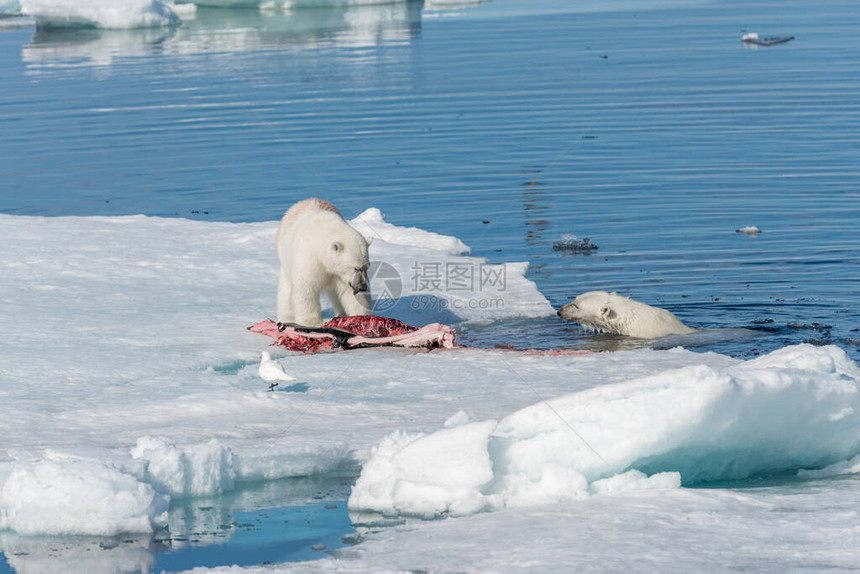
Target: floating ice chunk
[
  {"x": 62, "y": 495},
  {"x": 197, "y": 470},
  {"x": 570, "y": 243},
  {"x": 113, "y": 14},
  {"x": 756, "y": 40},
  {"x": 271, "y": 371},
  {"x": 748, "y": 230}
]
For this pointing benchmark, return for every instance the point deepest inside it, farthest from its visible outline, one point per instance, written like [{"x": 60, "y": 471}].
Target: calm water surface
[
  {"x": 286, "y": 520},
  {"x": 647, "y": 127},
  {"x": 654, "y": 132}
]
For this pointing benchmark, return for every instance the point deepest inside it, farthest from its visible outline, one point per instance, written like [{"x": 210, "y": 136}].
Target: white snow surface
[
  {"x": 371, "y": 223},
  {"x": 794, "y": 408},
  {"x": 127, "y": 336},
  {"x": 431, "y": 279},
  {"x": 128, "y": 378}
]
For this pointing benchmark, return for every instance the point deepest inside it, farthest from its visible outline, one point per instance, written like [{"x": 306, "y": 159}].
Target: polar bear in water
[
  {"x": 611, "y": 313},
  {"x": 320, "y": 253}
]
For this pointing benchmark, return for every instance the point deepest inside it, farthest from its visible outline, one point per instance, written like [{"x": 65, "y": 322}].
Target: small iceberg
[
  {"x": 750, "y": 230},
  {"x": 756, "y": 40},
  {"x": 106, "y": 14},
  {"x": 570, "y": 244}
]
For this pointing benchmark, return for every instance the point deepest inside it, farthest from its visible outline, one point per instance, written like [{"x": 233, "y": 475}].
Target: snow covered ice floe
[
  {"x": 794, "y": 408},
  {"x": 137, "y": 351},
  {"x": 62, "y": 493},
  {"x": 129, "y": 335}
]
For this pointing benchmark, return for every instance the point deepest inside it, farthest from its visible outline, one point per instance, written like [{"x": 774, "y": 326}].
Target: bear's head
[
  {"x": 596, "y": 311},
  {"x": 347, "y": 258}
]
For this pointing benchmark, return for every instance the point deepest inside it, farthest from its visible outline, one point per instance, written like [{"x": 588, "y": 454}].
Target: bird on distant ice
[{"x": 271, "y": 371}]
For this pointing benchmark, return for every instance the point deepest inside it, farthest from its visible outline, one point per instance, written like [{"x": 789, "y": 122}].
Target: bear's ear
[
  {"x": 369, "y": 240},
  {"x": 337, "y": 246}
]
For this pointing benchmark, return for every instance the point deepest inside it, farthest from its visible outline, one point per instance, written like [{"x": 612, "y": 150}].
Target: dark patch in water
[
  {"x": 294, "y": 388},
  {"x": 788, "y": 479},
  {"x": 813, "y": 326},
  {"x": 231, "y": 368},
  {"x": 571, "y": 245}
]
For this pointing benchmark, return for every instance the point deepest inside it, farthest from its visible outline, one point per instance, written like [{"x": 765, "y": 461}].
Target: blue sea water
[
  {"x": 262, "y": 536},
  {"x": 647, "y": 127}
]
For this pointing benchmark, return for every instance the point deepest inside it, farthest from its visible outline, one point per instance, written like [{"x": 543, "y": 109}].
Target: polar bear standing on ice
[
  {"x": 611, "y": 313},
  {"x": 320, "y": 253}
]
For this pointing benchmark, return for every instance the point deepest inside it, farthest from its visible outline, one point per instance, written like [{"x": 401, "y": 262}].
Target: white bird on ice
[{"x": 271, "y": 371}]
